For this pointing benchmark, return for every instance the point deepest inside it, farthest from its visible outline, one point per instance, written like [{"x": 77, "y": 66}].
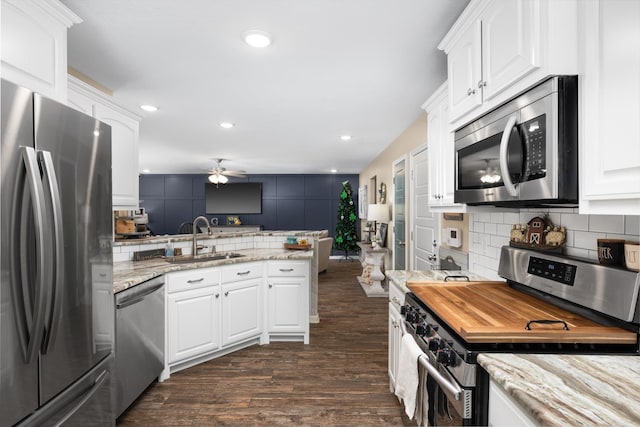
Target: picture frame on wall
[
  {"x": 362, "y": 202},
  {"x": 383, "y": 233}
]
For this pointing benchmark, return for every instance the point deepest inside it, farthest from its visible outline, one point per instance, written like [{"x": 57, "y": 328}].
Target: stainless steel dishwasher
[{"x": 139, "y": 340}]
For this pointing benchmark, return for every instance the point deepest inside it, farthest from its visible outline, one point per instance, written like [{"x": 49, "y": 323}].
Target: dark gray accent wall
[{"x": 289, "y": 202}]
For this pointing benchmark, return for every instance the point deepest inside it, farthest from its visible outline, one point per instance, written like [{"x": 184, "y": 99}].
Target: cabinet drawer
[
  {"x": 192, "y": 279},
  {"x": 396, "y": 295},
  {"x": 242, "y": 271},
  {"x": 287, "y": 268}
]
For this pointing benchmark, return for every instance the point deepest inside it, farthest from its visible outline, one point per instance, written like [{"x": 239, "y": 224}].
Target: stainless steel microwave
[{"x": 523, "y": 153}]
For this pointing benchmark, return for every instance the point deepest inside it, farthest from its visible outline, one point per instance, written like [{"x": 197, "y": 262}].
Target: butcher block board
[{"x": 493, "y": 312}]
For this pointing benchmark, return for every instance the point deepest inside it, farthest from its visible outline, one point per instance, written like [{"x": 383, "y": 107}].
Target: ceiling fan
[{"x": 218, "y": 175}]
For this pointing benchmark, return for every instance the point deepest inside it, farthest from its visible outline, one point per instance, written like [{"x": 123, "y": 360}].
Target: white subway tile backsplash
[
  {"x": 511, "y": 218},
  {"x": 606, "y": 223},
  {"x": 632, "y": 224},
  {"x": 575, "y": 222},
  {"x": 497, "y": 217},
  {"x": 587, "y": 240},
  {"x": 488, "y": 234},
  {"x": 504, "y": 230},
  {"x": 122, "y": 256}
]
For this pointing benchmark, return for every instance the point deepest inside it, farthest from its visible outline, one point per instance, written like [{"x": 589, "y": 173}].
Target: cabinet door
[
  {"x": 34, "y": 45},
  {"x": 395, "y": 338},
  {"x": 610, "y": 96},
  {"x": 193, "y": 321},
  {"x": 80, "y": 102},
  {"x": 241, "y": 310},
  {"x": 288, "y": 310},
  {"x": 447, "y": 156},
  {"x": 510, "y": 44},
  {"x": 124, "y": 156},
  {"x": 464, "y": 67}
]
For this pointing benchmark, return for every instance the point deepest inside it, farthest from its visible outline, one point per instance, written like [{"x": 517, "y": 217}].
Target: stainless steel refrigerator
[{"x": 56, "y": 298}]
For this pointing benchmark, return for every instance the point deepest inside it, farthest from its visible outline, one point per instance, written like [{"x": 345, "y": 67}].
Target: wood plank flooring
[{"x": 339, "y": 379}]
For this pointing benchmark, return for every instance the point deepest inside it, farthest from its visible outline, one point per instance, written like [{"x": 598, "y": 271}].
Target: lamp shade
[{"x": 378, "y": 213}]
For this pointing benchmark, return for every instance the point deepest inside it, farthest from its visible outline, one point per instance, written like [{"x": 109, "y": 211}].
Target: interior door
[
  {"x": 424, "y": 223},
  {"x": 399, "y": 216}
]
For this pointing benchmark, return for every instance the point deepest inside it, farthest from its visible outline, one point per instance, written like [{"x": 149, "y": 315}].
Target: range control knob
[
  {"x": 412, "y": 317},
  {"x": 403, "y": 309},
  {"x": 422, "y": 329},
  {"x": 434, "y": 344},
  {"x": 446, "y": 357}
]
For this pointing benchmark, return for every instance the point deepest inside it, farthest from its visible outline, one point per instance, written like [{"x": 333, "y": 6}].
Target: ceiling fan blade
[{"x": 240, "y": 174}]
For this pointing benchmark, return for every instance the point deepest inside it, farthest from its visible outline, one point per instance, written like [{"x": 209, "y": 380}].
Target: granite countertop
[
  {"x": 130, "y": 273},
  {"x": 401, "y": 277},
  {"x": 226, "y": 235},
  {"x": 560, "y": 390}
]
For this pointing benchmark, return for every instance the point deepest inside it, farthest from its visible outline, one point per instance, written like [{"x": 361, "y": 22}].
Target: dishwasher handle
[{"x": 137, "y": 298}]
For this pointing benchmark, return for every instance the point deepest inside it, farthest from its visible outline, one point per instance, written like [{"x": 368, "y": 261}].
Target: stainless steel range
[{"x": 549, "y": 304}]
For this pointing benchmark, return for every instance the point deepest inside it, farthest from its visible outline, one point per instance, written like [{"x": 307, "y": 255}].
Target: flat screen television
[{"x": 233, "y": 198}]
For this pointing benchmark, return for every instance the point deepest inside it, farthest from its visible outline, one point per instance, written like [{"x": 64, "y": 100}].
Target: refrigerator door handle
[
  {"x": 53, "y": 193},
  {"x": 85, "y": 397},
  {"x": 42, "y": 296}
]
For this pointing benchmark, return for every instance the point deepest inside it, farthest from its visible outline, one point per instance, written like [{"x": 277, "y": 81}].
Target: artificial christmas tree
[{"x": 346, "y": 237}]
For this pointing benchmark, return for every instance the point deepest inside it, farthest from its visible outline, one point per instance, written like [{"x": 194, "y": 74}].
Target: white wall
[{"x": 489, "y": 231}]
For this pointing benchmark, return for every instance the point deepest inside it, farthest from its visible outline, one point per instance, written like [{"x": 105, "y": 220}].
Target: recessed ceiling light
[
  {"x": 150, "y": 108},
  {"x": 96, "y": 133},
  {"x": 146, "y": 170},
  {"x": 345, "y": 137},
  {"x": 257, "y": 38},
  {"x": 226, "y": 125},
  {"x": 334, "y": 170}
]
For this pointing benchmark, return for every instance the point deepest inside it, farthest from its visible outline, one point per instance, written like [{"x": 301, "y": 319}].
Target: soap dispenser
[{"x": 168, "y": 249}]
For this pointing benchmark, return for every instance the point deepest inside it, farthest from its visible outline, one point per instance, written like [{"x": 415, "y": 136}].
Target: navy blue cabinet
[{"x": 289, "y": 202}]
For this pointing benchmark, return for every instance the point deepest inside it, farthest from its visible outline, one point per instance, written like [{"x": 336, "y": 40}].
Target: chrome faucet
[{"x": 194, "y": 246}]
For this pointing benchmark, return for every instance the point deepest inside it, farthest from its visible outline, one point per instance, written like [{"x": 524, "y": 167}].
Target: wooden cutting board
[{"x": 486, "y": 312}]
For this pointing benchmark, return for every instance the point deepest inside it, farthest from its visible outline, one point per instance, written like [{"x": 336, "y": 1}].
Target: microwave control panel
[
  {"x": 552, "y": 270},
  {"x": 536, "y": 164}
]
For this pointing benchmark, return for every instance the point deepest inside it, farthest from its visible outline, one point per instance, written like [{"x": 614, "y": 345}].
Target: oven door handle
[
  {"x": 504, "y": 161},
  {"x": 423, "y": 359}
]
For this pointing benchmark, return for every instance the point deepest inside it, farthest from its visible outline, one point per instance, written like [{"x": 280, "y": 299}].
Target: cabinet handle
[
  {"x": 226, "y": 294},
  {"x": 218, "y": 295},
  {"x": 286, "y": 270},
  {"x": 243, "y": 273},
  {"x": 195, "y": 280},
  {"x": 270, "y": 285},
  {"x": 471, "y": 92},
  {"x": 481, "y": 84}
]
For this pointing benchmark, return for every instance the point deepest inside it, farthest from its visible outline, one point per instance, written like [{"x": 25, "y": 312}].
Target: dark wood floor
[{"x": 340, "y": 378}]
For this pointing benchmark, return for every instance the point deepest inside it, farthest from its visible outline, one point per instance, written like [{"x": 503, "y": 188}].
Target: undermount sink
[{"x": 202, "y": 258}]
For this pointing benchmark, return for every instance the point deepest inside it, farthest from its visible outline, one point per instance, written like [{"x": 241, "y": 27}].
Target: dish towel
[
  {"x": 422, "y": 398},
  {"x": 407, "y": 377}
]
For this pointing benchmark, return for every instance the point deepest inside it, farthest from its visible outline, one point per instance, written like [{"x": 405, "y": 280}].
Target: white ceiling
[{"x": 358, "y": 67}]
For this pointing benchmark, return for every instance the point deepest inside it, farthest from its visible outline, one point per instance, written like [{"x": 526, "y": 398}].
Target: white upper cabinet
[
  {"x": 34, "y": 45},
  {"x": 499, "y": 48},
  {"x": 124, "y": 139},
  {"x": 610, "y": 107},
  {"x": 440, "y": 141}
]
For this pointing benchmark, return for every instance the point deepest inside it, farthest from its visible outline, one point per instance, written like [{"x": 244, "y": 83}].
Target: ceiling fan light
[
  {"x": 213, "y": 179},
  {"x": 223, "y": 179}
]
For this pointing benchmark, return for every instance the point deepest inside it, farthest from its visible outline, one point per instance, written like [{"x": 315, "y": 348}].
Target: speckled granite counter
[
  {"x": 561, "y": 390},
  {"x": 129, "y": 273},
  {"x": 226, "y": 235},
  {"x": 401, "y": 277}
]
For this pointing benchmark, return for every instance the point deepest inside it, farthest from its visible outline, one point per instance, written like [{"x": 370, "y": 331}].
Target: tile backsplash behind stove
[{"x": 489, "y": 231}]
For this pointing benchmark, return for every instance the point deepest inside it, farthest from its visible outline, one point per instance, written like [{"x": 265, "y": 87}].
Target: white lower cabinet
[
  {"x": 288, "y": 300},
  {"x": 396, "y": 300},
  {"x": 217, "y": 310},
  {"x": 241, "y": 310},
  {"x": 194, "y": 323},
  {"x": 504, "y": 411}
]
